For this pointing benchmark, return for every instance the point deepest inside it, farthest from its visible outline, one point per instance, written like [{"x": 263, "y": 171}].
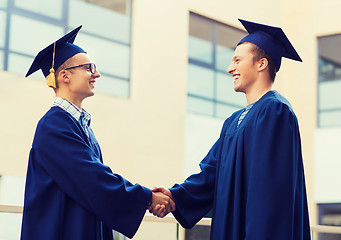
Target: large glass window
[
  {"x": 105, "y": 38},
  {"x": 210, "y": 50},
  {"x": 329, "y": 87}
]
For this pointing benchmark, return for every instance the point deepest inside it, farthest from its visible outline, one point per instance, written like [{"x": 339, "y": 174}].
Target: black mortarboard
[
  {"x": 54, "y": 55},
  {"x": 272, "y": 40}
]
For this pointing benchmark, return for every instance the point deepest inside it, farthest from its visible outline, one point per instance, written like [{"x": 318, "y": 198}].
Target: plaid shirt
[
  {"x": 82, "y": 116},
  {"x": 242, "y": 116}
]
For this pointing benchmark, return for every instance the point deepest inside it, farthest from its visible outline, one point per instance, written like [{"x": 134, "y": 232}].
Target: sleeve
[
  {"x": 60, "y": 149},
  {"x": 275, "y": 167},
  {"x": 194, "y": 197}
]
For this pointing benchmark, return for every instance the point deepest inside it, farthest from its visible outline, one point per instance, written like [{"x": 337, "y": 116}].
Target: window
[
  {"x": 107, "y": 39},
  {"x": 210, "y": 50},
  {"x": 329, "y": 83},
  {"x": 329, "y": 214}
]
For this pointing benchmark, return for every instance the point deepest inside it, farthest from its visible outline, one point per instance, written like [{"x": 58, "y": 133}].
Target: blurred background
[{"x": 164, "y": 92}]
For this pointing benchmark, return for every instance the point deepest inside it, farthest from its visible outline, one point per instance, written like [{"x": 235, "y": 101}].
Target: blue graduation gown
[
  {"x": 70, "y": 194},
  {"x": 252, "y": 177}
]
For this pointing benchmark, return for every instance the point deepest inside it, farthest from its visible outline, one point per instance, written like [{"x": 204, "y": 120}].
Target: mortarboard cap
[
  {"x": 54, "y": 55},
  {"x": 272, "y": 40}
]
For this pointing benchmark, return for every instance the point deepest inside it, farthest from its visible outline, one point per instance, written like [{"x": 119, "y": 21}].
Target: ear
[
  {"x": 262, "y": 64},
  {"x": 64, "y": 76}
]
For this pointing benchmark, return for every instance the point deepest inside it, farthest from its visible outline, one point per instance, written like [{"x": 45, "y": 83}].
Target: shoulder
[
  {"x": 56, "y": 120},
  {"x": 57, "y": 116},
  {"x": 232, "y": 118},
  {"x": 276, "y": 102},
  {"x": 273, "y": 106}
]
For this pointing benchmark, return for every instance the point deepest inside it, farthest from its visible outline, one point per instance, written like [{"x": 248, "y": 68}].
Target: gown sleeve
[
  {"x": 194, "y": 197},
  {"x": 275, "y": 183},
  {"x": 66, "y": 156}
]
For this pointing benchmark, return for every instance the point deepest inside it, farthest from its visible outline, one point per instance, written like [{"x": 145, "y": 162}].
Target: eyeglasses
[{"x": 90, "y": 66}]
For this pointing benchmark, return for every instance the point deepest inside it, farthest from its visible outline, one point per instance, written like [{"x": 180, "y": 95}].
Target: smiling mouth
[
  {"x": 236, "y": 77},
  {"x": 92, "y": 83}
]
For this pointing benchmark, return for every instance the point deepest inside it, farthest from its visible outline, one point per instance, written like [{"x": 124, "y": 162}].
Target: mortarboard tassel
[{"x": 51, "y": 79}]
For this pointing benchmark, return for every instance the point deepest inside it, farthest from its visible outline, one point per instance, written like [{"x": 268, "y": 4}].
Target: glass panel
[
  {"x": 224, "y": 57},
  {"x": 328, "y": 70},
  {"x": 21, "y": 32},
  {"x": 329, "y": 80},
  {"x": 2, "y": 60},
  {"x": 330, "y": 214},
  {"x": 329, "y": 57},
  {"x": 121, "y": 6},
  {"x": 112, "y": 24},
  {"x": 2, "y": 28},
  {"x": 10, "y": 225},
  {"x": 112, "y": 86},
  {"x": 200, "y": 40},
  {"x": 225, "y": 92},
  {"x": 50, "y": 8},
  {"x": 330, "y": 119},
  {"x": 225, "y": 111},
  {"x": 3, "y": 3},
  {"x": 110, "y": 57},
  {"x": 329, "y": 94},
  {"x": 200, "y": 49},
  {"x": 20, "y": 64},
  {"x": 200, "y": 81},
  {"x": 201, "y": 106}
]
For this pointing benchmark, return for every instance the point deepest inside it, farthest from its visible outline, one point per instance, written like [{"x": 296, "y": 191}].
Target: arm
[{"x": 194, "y": 198}]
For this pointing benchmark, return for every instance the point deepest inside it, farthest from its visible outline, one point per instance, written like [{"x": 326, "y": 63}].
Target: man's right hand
[{"x": 162, "y": 202}]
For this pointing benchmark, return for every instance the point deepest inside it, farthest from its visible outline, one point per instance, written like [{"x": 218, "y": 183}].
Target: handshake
[{"x": 162, "y": 202}]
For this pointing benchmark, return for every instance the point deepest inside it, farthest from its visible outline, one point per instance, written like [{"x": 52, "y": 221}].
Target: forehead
[
  {"x": 244, "y": 49},
  {"x": 81, "y": 58}
]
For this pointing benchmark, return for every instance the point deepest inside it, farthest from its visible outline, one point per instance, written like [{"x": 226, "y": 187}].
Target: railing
[{"x": 315, "y": 229}]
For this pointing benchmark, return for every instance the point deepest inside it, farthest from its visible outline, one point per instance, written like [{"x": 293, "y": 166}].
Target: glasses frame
[{"x": 90, "y": 66}]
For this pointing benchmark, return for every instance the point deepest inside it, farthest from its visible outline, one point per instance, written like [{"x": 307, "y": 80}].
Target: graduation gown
[
  {"x": 70, "y": 194},
  {"x": 252, "y": 177}
]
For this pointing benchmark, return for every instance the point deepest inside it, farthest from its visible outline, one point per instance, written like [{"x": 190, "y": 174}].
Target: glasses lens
[{"x": 92, "y": 68}]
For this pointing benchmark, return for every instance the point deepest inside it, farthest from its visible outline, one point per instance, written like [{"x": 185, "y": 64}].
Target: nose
[
  {"x": 230, "y": 69},
  {"x": 96, "y": 74}
]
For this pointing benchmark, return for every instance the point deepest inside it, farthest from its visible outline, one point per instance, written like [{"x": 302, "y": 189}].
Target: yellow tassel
[{"x": 51, "y": 79}]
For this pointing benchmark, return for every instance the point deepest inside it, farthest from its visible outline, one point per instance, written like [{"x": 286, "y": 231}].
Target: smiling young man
[
  {"x": 253, "y": 177},
  {"x": 70, "y": 194}
]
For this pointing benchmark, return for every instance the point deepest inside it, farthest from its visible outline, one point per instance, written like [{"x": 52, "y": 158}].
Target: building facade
[{"x": 164, "y": 91}]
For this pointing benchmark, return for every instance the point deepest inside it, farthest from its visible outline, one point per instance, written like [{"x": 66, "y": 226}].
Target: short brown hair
[{"x": 66, "y": 64}]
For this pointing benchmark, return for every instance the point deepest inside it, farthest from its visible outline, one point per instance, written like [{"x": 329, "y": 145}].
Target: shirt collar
[{"x": 73, "y": 110}]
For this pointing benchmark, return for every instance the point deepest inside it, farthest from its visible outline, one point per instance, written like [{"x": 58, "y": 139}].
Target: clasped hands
[{"x": 162, "y": 202}]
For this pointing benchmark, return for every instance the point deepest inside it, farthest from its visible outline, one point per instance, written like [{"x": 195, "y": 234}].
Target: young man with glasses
[{"x": 70, "y": 194}]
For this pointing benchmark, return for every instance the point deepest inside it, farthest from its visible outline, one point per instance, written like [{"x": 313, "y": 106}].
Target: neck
[
  {"x": 256, "y": 91},
  {"x": 255, "y": 95},
  {"x": 75, "y": 101}
]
